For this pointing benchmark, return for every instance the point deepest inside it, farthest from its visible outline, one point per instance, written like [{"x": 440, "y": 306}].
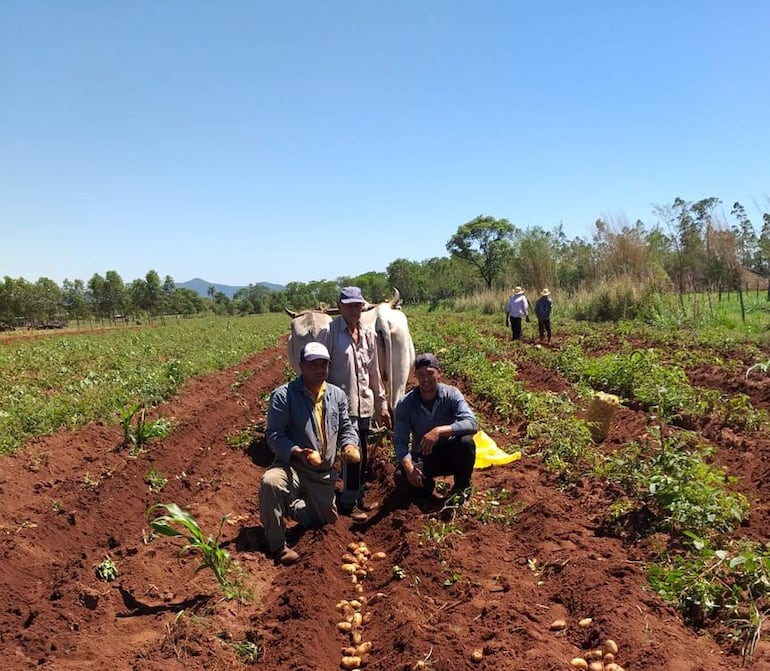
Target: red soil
[{"x": 71, "y": 499}]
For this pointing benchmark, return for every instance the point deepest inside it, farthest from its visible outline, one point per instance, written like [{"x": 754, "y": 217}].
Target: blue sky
[{"x": 284, "y": 141}]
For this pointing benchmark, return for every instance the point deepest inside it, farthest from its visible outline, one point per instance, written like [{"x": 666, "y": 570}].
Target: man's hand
[
  {"x": 507, "y": 320},
  {"x": 311, "y": 457},
  {"x": 385, "y": 419},
  {"x": 351, "y": 454},
  {"x": 413, "y": 474},
  {"x": 429, "y": 439}
]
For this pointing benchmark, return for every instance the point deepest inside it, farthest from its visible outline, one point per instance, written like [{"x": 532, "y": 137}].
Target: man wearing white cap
[{"x": 307, "y": 423}]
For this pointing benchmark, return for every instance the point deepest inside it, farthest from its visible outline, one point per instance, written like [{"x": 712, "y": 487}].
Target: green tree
[{"x": 484, "y": 243}]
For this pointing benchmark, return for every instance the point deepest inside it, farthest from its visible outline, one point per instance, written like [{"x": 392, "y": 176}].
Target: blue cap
[{"x": 351, "y": 295}]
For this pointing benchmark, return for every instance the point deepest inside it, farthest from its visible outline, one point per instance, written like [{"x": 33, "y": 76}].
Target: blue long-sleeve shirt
[
  {"x": 414, "y": 420},
  {"x": 291, "y": 421}
]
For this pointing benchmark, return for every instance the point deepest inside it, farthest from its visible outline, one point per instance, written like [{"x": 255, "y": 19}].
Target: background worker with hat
[
  {"x": 307, "y": 423},
  {"x": 517, "y": 308},
  {"x": 543, "y": 307},
  {"x": 440, "y": 423}
]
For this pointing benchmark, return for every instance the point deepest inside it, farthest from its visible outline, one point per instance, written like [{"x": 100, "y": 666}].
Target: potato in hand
[
  {"x": 351, "y": 454},
  {"x": 314, "y": 458}
]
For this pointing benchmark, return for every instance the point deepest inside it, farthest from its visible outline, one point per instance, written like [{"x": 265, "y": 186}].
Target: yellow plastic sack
[{"x": 489, "y": 454}]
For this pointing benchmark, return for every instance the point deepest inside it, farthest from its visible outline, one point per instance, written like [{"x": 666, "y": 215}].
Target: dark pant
[
  {"x": 353, "y": 475},
  {"x": 515, "y": 328},
  {"x": 453, "y": 456},
  {"x": 544, "y": 327}
]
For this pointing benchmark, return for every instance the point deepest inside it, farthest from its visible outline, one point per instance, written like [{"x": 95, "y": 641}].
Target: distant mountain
[{"x": 201, "y": 287}]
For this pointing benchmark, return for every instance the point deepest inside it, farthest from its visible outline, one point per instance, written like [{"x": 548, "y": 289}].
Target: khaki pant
[{"x": 303, "y": 495}]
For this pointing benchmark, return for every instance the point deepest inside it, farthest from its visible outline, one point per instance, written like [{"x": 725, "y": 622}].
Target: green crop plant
[
  {"x": 213, "y": 555},
  {"x": 668, "y": 482},
  {"x": 436, "y": 531},
  {"x": 731, "y": 584},
  {"x": 494, "y": 507}
]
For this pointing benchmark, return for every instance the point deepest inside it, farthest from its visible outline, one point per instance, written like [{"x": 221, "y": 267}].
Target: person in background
[
  {"x": 516, "y": 310},
  {"x": 307, "y": 423},
  {"x": 543, "y": 307},
  {"x": 354, "y": 367},
  {"x": 440, "y": 423}
]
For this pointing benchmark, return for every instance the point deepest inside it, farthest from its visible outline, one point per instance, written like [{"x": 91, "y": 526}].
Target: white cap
[{"x": 315, "y": 350}]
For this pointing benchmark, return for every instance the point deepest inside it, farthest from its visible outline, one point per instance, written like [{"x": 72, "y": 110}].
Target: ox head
[{"x": 306, "y": 326}]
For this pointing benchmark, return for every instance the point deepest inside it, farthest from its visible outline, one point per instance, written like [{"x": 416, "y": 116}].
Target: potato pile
[
  {"x": 600, "y": 659},
  {"x": 354, "y": 613}
]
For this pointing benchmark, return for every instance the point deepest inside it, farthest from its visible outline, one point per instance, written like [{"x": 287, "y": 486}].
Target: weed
[
  {"x": 155, "y": 480},
  {"x": 107, "y": 570},
  {"x": 492, "y": 508},
  {"x": 399, "y": 572},
  {"x": 248, "y": 651}
]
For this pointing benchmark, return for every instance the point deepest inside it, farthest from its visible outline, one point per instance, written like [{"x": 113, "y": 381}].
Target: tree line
[{"x": 692, "y": 246}]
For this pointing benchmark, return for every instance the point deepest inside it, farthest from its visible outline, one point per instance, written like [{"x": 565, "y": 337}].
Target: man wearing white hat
[
  {"x": 517, "y": 308},
  {"x": 307, "y": 423}
]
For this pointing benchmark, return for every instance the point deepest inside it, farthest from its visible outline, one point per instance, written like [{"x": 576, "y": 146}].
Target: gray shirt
[{"x": 355, "y": 368}]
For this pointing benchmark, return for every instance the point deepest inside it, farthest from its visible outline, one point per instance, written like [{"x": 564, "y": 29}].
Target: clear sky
[{"x": 300, "y": 140}]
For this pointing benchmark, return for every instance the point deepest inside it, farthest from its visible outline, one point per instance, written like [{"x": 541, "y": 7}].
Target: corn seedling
[
  {"x": 137, "y": 430},
  {"x": 213, "y": 556}
]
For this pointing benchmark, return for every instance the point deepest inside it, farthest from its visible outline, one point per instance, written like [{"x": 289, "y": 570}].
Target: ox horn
[
  {"x": 396, "y": 298},
  {"x": 292, "y": 314}
]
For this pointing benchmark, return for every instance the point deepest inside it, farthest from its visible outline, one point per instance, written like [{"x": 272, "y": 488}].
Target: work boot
[
  {"x": 355, "y": 514},
  {"x": 286, "y": 556}
]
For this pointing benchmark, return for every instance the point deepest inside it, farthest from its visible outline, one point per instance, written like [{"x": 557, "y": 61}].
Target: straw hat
[
  {"x": 545, "y": 292},
  {"x": 517, "y": 291}
]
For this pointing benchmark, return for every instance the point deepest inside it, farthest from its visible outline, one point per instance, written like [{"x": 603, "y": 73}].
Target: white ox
[
  {"x": 395, "y": 349},
  {"x": 306, "y": 326}
]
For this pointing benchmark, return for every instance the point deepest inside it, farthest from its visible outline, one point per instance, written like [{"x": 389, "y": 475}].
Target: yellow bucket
[{"x": 489, "y": 454}]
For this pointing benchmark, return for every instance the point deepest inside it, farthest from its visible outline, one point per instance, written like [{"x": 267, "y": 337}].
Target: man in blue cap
[{"x": 355, "y": 368}]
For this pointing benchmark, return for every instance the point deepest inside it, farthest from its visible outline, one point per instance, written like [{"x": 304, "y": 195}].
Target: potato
[
  {"x": 349, "y": 651},
  {"x": 556, "y": 625},
  {"x": 341, "y": 605},
  {"x": 477, "y": 655},
  {"x": 355, "y": 638},
  {"x": 314, "y": 458},
  {"x": 418, "y": 665},
  {"x": 596, "y": 666},
  {"x": 361, "y": 573},
  {"x": 585, "y": 622},
  {"x": 353, "y": 546},
  {"x": 351, "y": 454},
  {"x": 344, "y": 626},
  {"x": 357, "y": 619},
  {"x": 350, "y": 662},
  {"x": 359, "y": 588},
  {"x": 349, "y": 568},
  {"x": 610, "y": 646},
  {"x": 364, "y": 648},
  {"x": 379, "y": 555},
  {"x": 578, "y": 663},
  {"x": 609, "y": 658},
  {"x": 355, "y": 604},
  {"x": 348, "y": 558}
]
